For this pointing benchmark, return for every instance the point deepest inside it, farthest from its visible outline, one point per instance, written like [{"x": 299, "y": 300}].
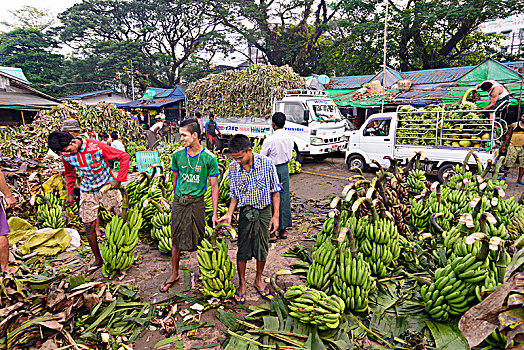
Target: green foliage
[{"x": 33, "y": 51}]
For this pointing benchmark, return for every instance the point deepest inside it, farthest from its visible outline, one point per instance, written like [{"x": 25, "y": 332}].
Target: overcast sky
[{"x": 54, "y": 6}]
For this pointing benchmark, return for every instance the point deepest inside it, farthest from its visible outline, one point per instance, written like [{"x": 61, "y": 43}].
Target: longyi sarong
[
  {"x": 253, "y": 233},
  {"x": 284, "y": 212},
  {"x": 188, "y": 220}
]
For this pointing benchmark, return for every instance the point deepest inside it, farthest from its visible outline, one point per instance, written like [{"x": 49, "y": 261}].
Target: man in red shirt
[{"x": 90, "y": 158}]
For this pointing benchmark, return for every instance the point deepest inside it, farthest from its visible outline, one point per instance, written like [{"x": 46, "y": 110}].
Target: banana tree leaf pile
[
  {"x": 30, "y": 141},
  {"x": 418, "y": 126},
  {"x": 248, "y": 92},
  {"x": 456, "y": 240},
  {"x": 56, "y": 303}
]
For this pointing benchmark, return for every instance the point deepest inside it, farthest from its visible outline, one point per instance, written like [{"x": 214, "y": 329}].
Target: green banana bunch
[
  {"x": 159, "y": 220},
  {"x": 52, "y": 199},
  {"x": 353, "y": 281},
  {"x": 516, "y": 226},
  {"x": 507, "y": 210},
  {"x": 456, "y": 202},
  {"x": 453, "y": 291},
  {"x": 416, "y": 180},
  {"x": 122, "y": 238},
  {"x": 380, "y": 246},
  {"x": 420, "y": 216},
  {"x": 294, "y": 167},
  {"x": 315, "y": 307},
  {"x": 216, "y": 268},
  {"x": 324, "y": 234},
  {"x": 51, "y": 217},
  {"x": 103, "y": 215},
  {"x": 165, "y": 241},
  {"x": 321, "y": 272}
]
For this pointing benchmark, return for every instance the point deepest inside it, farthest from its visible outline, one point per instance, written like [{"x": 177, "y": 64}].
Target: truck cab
[{"x": 314, "y": 121}]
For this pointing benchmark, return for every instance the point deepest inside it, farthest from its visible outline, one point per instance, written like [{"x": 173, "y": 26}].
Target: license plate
[{"x": 334, "y": 147}]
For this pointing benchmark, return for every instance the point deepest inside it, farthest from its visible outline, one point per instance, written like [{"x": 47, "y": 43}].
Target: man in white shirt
[
  {"x": 279, "y": 148},
  {"x": 154, "y": 130},
  {"x": 116, "y": 143}
]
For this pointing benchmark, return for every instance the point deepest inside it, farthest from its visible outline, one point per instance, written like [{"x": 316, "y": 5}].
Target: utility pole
[{"x": 385, "y": 54}]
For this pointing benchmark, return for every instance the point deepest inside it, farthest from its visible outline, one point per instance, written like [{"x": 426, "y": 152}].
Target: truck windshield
[{"x": 325, "y": 112}]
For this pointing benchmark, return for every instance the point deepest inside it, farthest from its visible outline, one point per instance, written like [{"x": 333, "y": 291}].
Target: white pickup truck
[
  {"x": 443, "y": 141},
  {"x": 312, "y": 119}
]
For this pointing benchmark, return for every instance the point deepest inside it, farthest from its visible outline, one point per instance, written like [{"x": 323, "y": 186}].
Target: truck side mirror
[{"x": 306, "y": 115}]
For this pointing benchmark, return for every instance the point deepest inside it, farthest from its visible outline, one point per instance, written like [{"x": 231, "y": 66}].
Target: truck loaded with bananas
[
  {"x": 315, "y": 307},
  {"x": 122, "y": 237},
  {"x": 216, "y": 268}
]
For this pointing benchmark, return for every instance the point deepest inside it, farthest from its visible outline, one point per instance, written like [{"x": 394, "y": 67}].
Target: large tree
[
  {"x": 438, "y": 33},
  {"x": 285, "y": 31},
  {"x": 165, "y": 33},
  {"x": 35, "y": 53}
]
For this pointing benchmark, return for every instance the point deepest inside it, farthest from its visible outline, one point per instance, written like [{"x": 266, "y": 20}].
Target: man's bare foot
[
  {"x": 10, "y": 269},
  {"x": 240, "y": 294},
  {"x": 168, "y": 283}
]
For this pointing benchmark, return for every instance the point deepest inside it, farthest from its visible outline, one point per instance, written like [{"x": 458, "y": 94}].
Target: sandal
[
  {"x": 273, "y": 239},
  {"x": 520, "y": 182},
  {"x": 282, "y": 235},
  {"x": 500, "y": 178},
  {"x": 167, "y": 285},
  {"x": 241, "y": 296},
  {"x": 265, "y": 293}
]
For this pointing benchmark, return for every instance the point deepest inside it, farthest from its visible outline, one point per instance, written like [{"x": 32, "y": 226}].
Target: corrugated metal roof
[
  {"x": 87, "y": 94},
  {"x": 15, "y": 72},
  {"x": 348, "y": 82},
  {"x": 163, "y": 93},
  {"x": 432, "y": 76},
  {"x": 152, "y": 103}
]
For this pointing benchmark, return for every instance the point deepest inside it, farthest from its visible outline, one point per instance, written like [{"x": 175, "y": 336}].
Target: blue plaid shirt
[{"x": 254, "y": 188}]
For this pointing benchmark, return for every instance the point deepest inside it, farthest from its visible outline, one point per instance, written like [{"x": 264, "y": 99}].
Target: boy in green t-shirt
[{"x": 192, "y": 166}]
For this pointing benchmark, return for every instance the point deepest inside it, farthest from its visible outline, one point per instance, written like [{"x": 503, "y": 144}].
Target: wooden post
[{"x": 23, "y": 119}]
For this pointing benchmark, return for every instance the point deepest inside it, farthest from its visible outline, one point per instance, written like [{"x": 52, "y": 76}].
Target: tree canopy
[{"x": 164, "y": 42}]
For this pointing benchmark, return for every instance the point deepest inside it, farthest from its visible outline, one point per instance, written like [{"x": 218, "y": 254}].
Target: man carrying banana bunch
[
  {"x": 90, "y": 158},
  {"x": 192, "y": 165}
]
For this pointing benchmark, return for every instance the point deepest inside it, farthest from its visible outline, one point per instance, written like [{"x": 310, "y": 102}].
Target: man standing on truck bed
[
  {"x": 279, "y": 148},
  {"x": 498, "y": 94},
  {"x": 515, "y": 136},
  {"x": 211, "y": 130}
]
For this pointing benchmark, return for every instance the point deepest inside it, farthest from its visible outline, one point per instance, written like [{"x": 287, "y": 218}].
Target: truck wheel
[
  {"x": 220, "y": 143},
  {"x": 445, "y": 171},
  {"x": 298, "y": 156},
  {"x": 356, "y": 161}
]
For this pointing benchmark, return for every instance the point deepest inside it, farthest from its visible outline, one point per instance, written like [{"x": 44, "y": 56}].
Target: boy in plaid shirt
[
  {"x": 91, "y": 159},
  {"x": 254, "y": 185}
]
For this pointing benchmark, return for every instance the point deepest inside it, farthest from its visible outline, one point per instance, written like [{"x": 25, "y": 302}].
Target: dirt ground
[{"x": 318, "y": 182}]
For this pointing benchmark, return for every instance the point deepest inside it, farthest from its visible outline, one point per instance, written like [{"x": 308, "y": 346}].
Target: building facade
[{"x": 512, "y": 28}]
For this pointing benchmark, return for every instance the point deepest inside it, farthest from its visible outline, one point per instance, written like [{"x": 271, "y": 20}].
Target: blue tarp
[
  {"x": 152, "y": 103},
  {"x": 156, "y": 97}
]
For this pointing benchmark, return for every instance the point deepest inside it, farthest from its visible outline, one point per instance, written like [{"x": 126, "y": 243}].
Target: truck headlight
[{"x": 316, "y": 141}]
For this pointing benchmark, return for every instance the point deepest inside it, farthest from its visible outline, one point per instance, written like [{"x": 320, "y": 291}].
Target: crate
[{"x": 144, "y": 159}]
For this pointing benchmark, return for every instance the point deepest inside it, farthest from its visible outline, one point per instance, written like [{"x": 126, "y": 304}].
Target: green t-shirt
[{"x": 192, "y": 176}]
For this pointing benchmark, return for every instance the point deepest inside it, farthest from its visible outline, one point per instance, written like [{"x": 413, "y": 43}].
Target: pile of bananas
[
  {"x": 325, "y": 234},
  {"x": 161, "y": 231},
  {"x": 353, "y": 281},
  {"x": 321, "y": 272},
  {"x": 315, "y": 307},
  {"x": 456, "y": 202},
  {"x": 381, "y": 246},
  {"x": 216, "y": 268},
  {"x": 516, "y": 226},
  {"x": 294, "y": 166},
  {"x": 118, "y": 251},
  {"x": 49, "y": 212},
  {"x": 416, "y": 180},
  {"x": 420, "y": 215},
  {"x": 454, "y": 288},
  {"x": 507, "y": 210}
]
